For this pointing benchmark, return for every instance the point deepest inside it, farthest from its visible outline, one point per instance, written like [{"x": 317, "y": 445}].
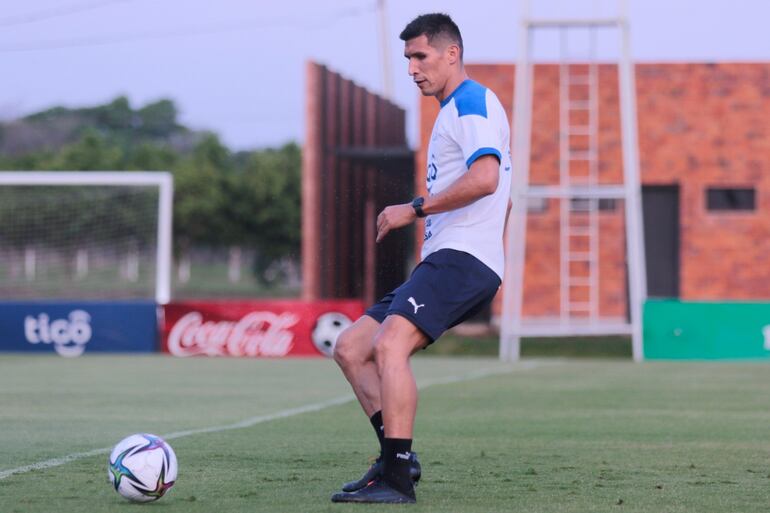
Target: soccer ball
[
  {"x": 142, "y": 467},
  {"x": 327, "y": 328}
]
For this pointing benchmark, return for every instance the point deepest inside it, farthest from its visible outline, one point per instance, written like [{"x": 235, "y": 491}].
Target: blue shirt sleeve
[{"x": 474, "y": 131}]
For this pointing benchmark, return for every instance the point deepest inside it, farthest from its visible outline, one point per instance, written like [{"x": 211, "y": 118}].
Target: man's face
[{"x": 429, "y": 66}]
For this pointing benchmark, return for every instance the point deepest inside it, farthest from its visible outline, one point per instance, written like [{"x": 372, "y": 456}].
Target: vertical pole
[
  {"x": 311, "y": 166},
  {"x": 344, "y": 192},
  {"x": 387, "y": 75},
  {"x": 370, "y": 208},
  {"x": 330, "y": 268},
  {"x": 565, "y": 203},
  {"x": 359, "y": 196},
  {"x": 30, "y": 259},
  {"x": 593, "y": 172},
  {"x": 513, "y": 287},
  {"x": 635, "y": 238},
  {"x": 370, "y": 250},
  {"x": 163, "y": 264}
]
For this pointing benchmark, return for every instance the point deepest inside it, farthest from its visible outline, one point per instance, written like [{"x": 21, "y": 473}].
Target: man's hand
[{"x": 394, "y": 216}]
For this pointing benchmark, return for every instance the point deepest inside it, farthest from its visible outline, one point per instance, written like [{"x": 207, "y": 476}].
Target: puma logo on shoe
[
  {"x": 402, "y": 455},
  {"x": 415, "y": 305}
]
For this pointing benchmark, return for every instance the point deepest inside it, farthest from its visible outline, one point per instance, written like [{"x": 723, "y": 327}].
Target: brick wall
[{"x": 700, "y": 125}]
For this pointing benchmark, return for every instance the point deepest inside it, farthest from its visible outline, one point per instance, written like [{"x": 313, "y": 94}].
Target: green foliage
[
  {"x": 93, "y": 152},
  {"x": 118, "y": 119},
  {"x": 249, "y": 199},
  {"x": 265, "y": 204},
  {"x": 158, "y": 118},
  {"x": 200, "y": 196},
  {"x": 147, "y": 156},
  {"x": 116, "y": 115}
]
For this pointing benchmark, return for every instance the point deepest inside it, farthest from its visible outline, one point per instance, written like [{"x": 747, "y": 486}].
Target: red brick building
[{"x": 704, "y": 145}]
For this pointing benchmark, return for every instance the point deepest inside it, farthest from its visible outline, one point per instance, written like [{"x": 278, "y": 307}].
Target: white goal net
[{"x": 85, "y": 235}]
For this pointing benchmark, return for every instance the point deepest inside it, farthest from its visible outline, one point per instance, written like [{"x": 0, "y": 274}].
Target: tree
[
  {"x": 158, "y": 119},
  {"x": 93, "y": 152},
  {"x": 116, "y": 115},
  {"x": 147, "y": 156},
  {"x": 265, "y": 204},
  {"x": 199, "y": 195}
]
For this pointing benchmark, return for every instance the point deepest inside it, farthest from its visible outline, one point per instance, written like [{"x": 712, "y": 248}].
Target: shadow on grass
[{"x": 571, "y": 347}]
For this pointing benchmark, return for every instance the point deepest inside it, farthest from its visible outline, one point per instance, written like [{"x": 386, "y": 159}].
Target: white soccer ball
[
  {"x": 142, "y": 467},
  {"x": 327, "y": 328}
]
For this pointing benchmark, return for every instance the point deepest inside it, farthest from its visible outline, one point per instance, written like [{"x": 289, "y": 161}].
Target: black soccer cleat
[
  {"x": 378, "y": 491},
  {"x": 375, "y": 471},
  {"x": 372, "y": 473}
]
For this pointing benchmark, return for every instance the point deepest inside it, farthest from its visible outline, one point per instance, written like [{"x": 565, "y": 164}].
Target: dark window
[
  {"x": 719, "y": 198},
  {"x": 584, "y": 204},
  {"x": 608, "y": 204}
]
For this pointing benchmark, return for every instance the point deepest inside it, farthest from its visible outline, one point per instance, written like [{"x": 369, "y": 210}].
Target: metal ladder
[
  {"x": 579, "y": 166},
  {"x": 578, "y": 192}
]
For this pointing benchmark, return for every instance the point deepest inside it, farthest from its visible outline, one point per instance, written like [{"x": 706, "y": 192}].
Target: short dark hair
[{"x": 433, "y": 25}]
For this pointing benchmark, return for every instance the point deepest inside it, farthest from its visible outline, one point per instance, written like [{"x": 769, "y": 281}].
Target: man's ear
[{"x": 453, "y": 52}]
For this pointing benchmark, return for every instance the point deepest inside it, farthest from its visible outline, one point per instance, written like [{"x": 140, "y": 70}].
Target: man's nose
[{"x": 412, "y": 69}]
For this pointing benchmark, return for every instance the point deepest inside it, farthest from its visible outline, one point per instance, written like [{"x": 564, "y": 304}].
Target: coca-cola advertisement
[{"x": 276, "y": 328}]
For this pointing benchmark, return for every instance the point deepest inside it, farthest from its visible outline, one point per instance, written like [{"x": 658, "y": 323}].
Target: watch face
[{"x": 417, "y": 206}]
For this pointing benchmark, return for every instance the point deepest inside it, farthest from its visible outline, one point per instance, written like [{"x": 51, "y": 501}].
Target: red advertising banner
[{"x": 256, "y": 328}]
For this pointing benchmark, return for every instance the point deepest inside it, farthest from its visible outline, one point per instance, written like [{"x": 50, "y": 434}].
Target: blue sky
[{"x": 237, "y": 66}]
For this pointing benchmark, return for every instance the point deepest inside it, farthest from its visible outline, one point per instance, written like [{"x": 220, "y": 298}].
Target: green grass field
[{"x": 546, "y": 435}]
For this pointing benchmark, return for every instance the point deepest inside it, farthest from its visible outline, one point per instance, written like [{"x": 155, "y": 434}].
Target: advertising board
[
  {"x": 271, "y": 328},
  {"x": 74, "y": 328},
  {"x": 705, "y": 330}
]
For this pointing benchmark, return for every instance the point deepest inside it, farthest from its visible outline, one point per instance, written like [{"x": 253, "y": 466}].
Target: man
[{"x": 468, "y": 183}]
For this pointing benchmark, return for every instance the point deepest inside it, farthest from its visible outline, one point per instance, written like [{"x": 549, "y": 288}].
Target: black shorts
[{"x": 445, "y": 289}]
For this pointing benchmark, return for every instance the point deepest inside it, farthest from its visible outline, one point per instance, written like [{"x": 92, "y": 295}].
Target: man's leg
[
  {"x": 354, "y": 353},
  {"x": 395, "y": 342}
]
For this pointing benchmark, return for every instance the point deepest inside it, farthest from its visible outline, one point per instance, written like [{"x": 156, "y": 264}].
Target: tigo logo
[{"x": 68, "y": 336}]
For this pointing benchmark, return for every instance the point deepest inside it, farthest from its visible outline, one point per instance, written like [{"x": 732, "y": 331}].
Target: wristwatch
[{"x": 417, "y": 206}]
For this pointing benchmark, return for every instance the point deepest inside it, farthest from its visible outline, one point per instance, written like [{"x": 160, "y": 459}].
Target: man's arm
[{"x": 480, "y": 180}]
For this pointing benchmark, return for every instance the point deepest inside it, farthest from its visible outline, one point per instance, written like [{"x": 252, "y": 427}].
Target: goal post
[{"x": 15, "y": 184}]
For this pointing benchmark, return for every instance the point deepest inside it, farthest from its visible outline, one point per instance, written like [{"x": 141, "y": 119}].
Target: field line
[{"x": 259, "y": 419}]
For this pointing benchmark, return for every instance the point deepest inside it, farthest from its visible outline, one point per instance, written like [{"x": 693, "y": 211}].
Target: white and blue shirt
[{"x": 471, "y": 123}]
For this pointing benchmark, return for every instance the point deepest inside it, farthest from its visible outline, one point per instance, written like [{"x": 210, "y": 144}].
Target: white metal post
[
  {"x": 387, "y": 76},
  {"x": 164, "y": 256},
  {"x": 510, "y": 328},
  {"x": 637, "y": 279}
]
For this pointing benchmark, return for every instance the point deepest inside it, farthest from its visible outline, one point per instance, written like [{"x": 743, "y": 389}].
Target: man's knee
[
  {"x": 390, "y": 349},
  {"x": 344, "y": 348},
  {"x": 396, "y": 340},
  {"x": 383, "y": 352},
  {"x": 353, "y": 346}
]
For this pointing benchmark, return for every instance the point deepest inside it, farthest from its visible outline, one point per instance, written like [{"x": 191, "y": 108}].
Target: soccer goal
[{"x": 85, "y": 235}]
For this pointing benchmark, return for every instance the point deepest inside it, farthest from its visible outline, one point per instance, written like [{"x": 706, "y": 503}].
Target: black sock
[
  {"x": 379, "y": 428},
  {"x": 396, "y": 456}
]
